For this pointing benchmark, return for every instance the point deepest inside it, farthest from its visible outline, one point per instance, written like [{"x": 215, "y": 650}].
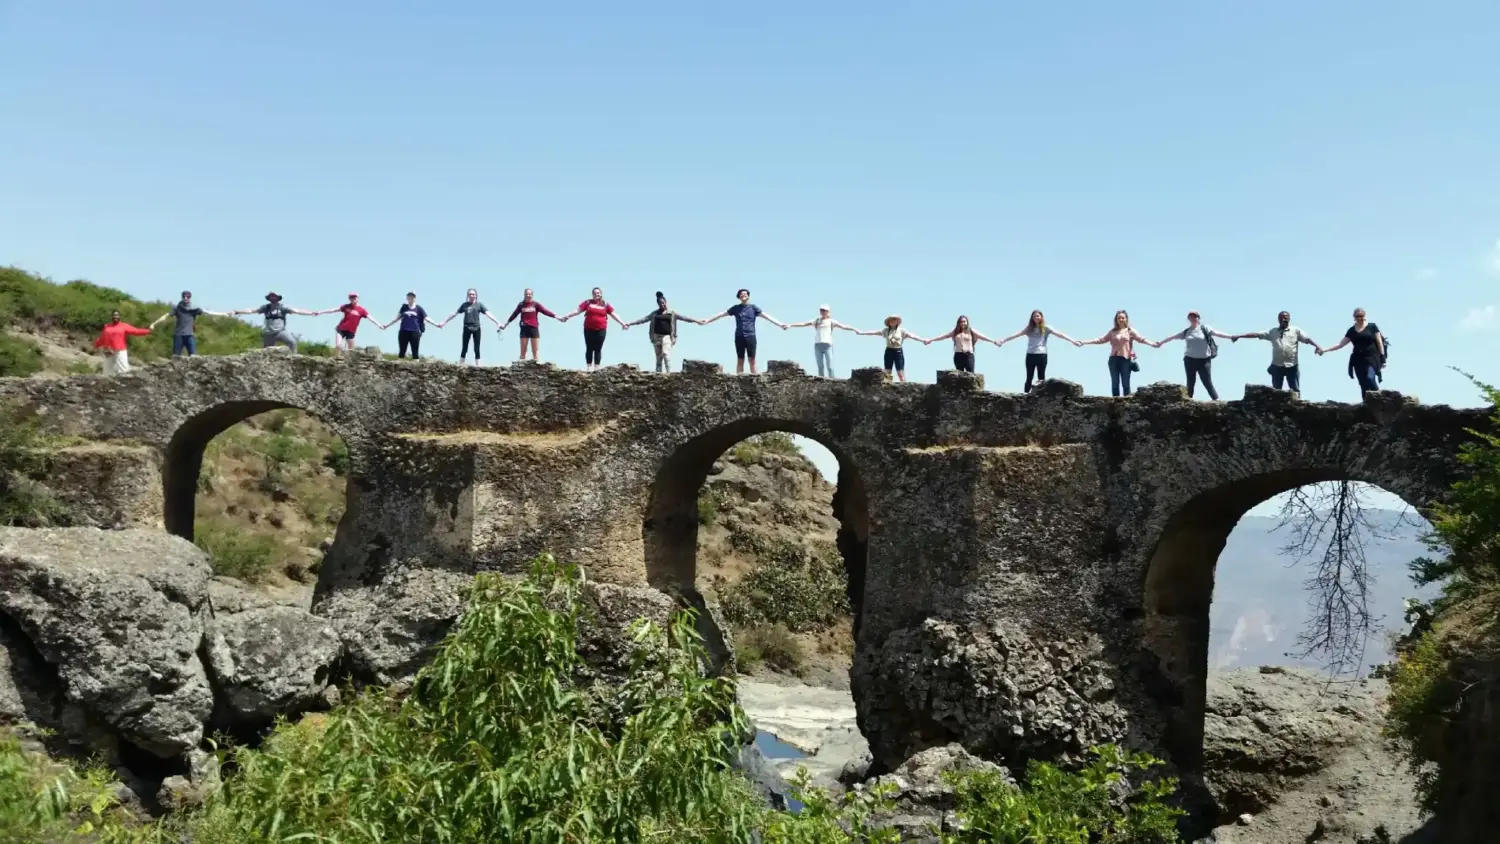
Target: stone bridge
[{"x": 1031, "y": 574}]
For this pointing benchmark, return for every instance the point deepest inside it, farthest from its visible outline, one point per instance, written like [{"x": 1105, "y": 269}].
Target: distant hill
[{"x": 1260, "y": 596}]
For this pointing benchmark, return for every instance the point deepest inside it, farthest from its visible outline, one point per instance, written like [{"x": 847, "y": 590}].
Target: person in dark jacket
[
  {"x": 663, "y": 330},
  {"x": 414, "y": 321}
]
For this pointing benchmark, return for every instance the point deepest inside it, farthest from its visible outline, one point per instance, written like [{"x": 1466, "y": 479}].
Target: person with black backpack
[
  {"x": 1198, "y": 357},
  {"x": 273, "y": 330},
  {"x": 1368, "y": 356}
]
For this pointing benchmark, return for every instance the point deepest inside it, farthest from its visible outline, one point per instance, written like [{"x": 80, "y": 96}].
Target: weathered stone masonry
[{"x": 1031, "y": 573}]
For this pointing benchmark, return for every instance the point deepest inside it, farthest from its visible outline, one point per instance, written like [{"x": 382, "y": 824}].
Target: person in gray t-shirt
[
  {"x": 472, "y": 309},
  {"x": 184, "y": 340},
  {"x": 1285, "y": 339},
  {"x": 1197, "y": 358},
  {"x": 273, "y": 330}
]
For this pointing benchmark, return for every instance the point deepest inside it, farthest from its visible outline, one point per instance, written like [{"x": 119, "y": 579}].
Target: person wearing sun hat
[
  {"x": 273, "y": 329},
  {"x": 823, "y": 328},
  {"x": 895, "y": 336}
]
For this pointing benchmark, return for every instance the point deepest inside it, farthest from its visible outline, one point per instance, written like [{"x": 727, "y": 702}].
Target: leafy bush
[
  {"x": 235, "y": 552},
  {"x": 56, "y": 804},
  {"x": 710, "y": 502},
  {"x": 803, "y": 587},
  {"x": 773, "y": 646},
  {"x": 1456, "y": 648},
  {"x": 1063, "y": 807},
  {"x": 337, "y": 457},
  {"x": 19, "y": 357}
]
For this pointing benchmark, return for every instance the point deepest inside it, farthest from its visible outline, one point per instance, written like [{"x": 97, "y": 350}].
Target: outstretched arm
[
  {"x": 1178, "y": 336},
  {"x": 1217, "y": 333},
  {"x": 135, "y": 332},
  {"x": 875, "y": 333},
  {"x": 768, "y": 318},
  {"x": 715, "y": 318},
  {"x": 491, "y": 317},
  {"x": 949, "y": 336},
  {"x": 1339, "y": 345},
  {"x": 911, "y": 336},
  {"x": 838, "y": 324},
  {"x": 1004, "y": 340},
  {"x": 799, "y": 324},
  {"x": 512, "y": 318},
  {"x": 1098, "y": 341},
  {"x": 159, "y": 320},
  {"x": 1136, "y": 335},
  {"x": 1063, "y": 337},
  {"x": 306, "y": 312},
  {"x": 616, "y": 317},
  {"x": 977, "y": 336}
]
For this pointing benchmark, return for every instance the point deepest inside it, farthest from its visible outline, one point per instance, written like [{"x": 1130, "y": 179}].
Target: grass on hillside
[{"x": 77, "y": 310}]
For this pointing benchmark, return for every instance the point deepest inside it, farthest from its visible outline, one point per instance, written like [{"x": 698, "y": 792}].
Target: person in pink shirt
[
  {"x": 596, "y": 316},
  {"x": 353, "y": 313},
  {"x": 112, "y": 342},
  {"x": 531, "y": 328},
  {"x": 1121, "y": 339}
]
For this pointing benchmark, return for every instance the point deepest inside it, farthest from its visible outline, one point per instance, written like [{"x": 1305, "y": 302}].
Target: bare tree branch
[{"x": 1328, "y": 528}]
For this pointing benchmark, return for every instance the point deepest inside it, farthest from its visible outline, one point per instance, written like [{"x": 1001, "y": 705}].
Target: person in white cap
[{"x": 823, "y": 328}]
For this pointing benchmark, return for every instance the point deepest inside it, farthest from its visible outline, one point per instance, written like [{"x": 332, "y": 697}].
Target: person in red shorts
[{"x": 353, "y": 313}]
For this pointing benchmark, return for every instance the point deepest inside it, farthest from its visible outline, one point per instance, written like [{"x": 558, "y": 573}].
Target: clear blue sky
[{"x": 927, "y": 159}]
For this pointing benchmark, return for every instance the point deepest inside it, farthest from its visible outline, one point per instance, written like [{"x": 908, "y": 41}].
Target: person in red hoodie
[
  {"x": 112, "y": 342},
  {"x": 531, "y": 328},
  {"x": 354, "y": 313}
]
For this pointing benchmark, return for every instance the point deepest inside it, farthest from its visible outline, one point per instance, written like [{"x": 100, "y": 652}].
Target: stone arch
[
  {"x": 182, "y": 462},
  {"x": 670, "y": 530},
  {"x": 1179, "y": 586}
]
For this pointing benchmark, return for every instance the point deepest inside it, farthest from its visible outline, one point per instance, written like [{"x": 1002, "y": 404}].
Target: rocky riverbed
[{"x": 1291, "y": 756}]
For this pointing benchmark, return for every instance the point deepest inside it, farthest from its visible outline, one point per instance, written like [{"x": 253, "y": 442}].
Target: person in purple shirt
[
  {"x": 745, "y": 315},
  {"x": 531, "y": 327}
]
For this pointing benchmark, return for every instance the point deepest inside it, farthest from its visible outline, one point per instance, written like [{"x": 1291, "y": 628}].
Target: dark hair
[
  {"x": 187, "y": 294},
  {"x": 660, "y": 295},
  {"x": 411, "y": 294},
  {"x": 744, "y": 290},
  {"x": 958, "y": 325}
]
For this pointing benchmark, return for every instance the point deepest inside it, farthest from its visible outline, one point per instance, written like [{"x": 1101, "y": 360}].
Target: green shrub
[
  {"x": 773, "y": 646},
  {"x": 234, "y": 552},
  {"x": 337, "y": 457},
  {"x": 19, "y": 357},
  {"x": 1457, "y": 651},
  {"x": 710, "y": 502},
  {"x": 803, "y": 587},
  {"x": 41, "y": 801},
  {"x": 1063, "y": 807},
  {"x": 777, "y": 442}
]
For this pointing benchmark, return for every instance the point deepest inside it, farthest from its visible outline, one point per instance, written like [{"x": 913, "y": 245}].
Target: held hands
[
  {"x": 927, "y": 342},
  {"x": 1078, "y": 343}
]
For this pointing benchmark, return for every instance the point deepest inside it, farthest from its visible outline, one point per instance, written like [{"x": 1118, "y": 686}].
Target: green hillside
[{"x": 272, "y": 487}]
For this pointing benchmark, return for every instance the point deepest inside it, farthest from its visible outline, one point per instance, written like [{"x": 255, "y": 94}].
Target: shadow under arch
[
  {"x": 183, "y": 460},
  {"x": 670, "y": 530},
  {"x": 1179, "y": 593}
]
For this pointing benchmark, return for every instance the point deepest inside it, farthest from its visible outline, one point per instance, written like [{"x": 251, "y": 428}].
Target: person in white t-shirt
[
  {"x": 895, "y": 335},
  {"x": 1036, "y": 331},
  {"x": 823, "y": 328}
]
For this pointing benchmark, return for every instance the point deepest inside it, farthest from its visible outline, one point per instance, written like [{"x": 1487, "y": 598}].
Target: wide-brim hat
[
  {"x": 893, "y": 320},
  {"x": 272, "y": 295}
]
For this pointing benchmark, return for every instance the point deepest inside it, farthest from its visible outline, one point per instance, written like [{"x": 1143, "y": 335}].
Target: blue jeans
[
  {"x": 823, "y": 354},
  {"x": 1119, "y": 376},
  {"x": 184, "y": 343},
  {"x": 1367, "y": 377}
]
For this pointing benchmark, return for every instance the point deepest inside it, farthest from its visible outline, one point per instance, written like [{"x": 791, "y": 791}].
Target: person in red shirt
[
  {"x": 531, "y": 328},
  {"x": 112, "y": 342},
  {"x": 596, "y": 316},
  {"x": 353, "y": 313}
]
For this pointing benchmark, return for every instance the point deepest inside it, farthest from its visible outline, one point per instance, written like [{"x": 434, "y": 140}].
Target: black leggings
[
  {"x": 1200, "y": 368},
  {"x": 1036, "y": 364},
  {"x": 413, "y": 340},
  {"x": 470, "y": 333},
  {"x": 593, "y": 346},
  {"x": 963, "y": 361}
]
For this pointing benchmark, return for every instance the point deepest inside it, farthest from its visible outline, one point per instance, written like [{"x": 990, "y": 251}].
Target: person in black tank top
[
  {"x": 663, "y": 331},
  {"x": 1368, "y": 357}
]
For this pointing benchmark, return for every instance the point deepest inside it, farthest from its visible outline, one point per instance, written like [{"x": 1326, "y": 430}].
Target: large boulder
[
  {"x": 390, "y": 627},
  {"x": 991, "y": 687},
  {"x": 265, "y": 658},
  {"x": 1292, "y": 755},
  {"x": 116, "y": 613}
]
